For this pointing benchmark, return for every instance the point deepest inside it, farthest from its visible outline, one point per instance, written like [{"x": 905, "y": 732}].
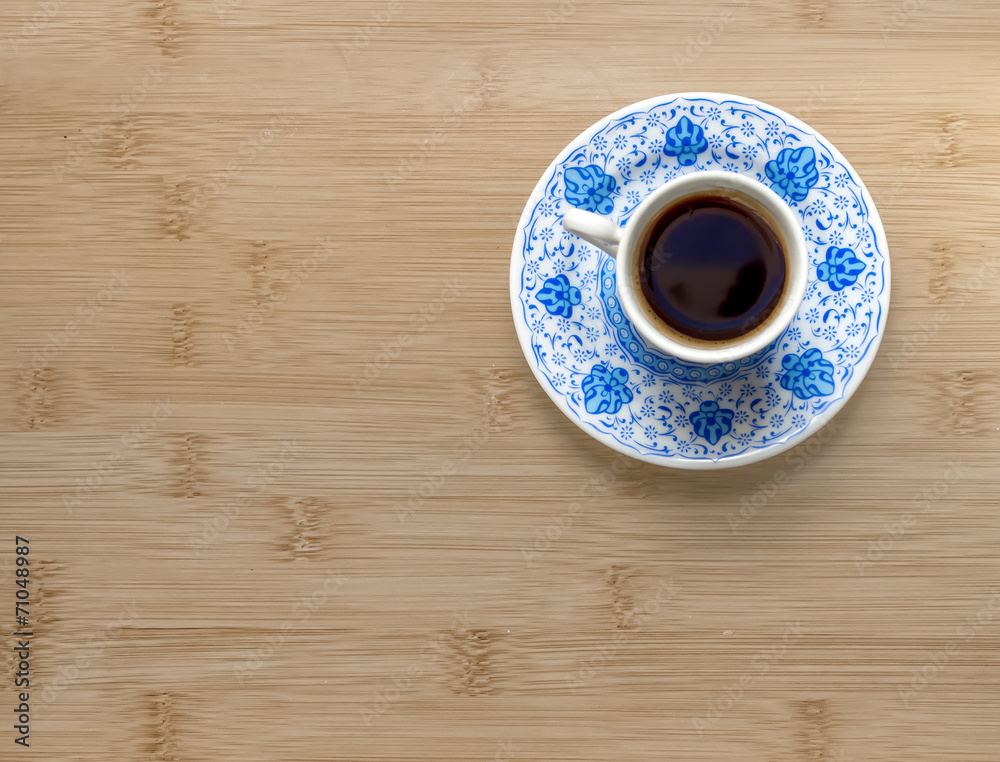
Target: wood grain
[{"x": 290, "y": 487}]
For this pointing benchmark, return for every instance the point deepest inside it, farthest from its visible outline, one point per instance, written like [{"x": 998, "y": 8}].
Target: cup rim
[{"x": 796, "y": 277}]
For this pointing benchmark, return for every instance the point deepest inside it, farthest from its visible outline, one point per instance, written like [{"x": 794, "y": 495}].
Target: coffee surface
[{"x": 712, "y": 268}]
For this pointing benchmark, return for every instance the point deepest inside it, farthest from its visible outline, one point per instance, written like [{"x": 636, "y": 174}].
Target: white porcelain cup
[{"x": 624, "y": 244}]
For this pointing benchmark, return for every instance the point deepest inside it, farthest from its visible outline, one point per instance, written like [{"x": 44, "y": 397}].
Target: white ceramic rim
[
  {"x": 695, "y": 464},
  {"x": 796, "y": 278}
]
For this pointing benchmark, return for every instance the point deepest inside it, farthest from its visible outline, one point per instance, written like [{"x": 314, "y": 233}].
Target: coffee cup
[{"x": 711, "y": 267}]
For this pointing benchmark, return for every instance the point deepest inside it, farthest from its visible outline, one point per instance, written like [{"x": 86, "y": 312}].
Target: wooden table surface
[{"x": 289, "y": 488}]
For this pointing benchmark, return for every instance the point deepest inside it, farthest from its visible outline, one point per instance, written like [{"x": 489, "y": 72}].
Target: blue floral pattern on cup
[
  {"x": 808, "y": 376},
  {"x": 841, "y": 268},
  {"x": 590, "y": 189},
  {"x": 685, "y": 140},
  {"x": 793, "y": 173},
  {"x": 712, "y": 422},
  {"x": 605, "y": 390},
  {"x": 559, "y": 297},
  {"x": 587, "y": 355}
]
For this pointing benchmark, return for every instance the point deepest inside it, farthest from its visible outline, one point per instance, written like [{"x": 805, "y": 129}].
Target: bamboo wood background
[{"x": 291, "y": 490}]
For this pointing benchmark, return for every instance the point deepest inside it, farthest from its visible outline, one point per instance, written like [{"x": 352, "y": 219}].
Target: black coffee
[{"x": 713, "y": 268}]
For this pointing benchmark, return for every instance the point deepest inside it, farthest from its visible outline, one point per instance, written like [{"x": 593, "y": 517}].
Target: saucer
[{"x": 648, "y": 405}]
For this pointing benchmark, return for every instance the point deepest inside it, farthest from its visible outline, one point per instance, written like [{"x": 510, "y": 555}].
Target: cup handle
[{"x": 594, "y": 229}]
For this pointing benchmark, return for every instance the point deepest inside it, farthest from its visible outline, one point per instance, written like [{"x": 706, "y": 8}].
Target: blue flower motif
[
  {"x": 808, "y": 376},
  {"x": 793, "y": 173},
  {"x": 841, "y": 268},
  {"x": 605, "y": 390},
  {"x": 712, "y": 422},
  {"x": 590, "y": 189},
  {"x": 685, "y": 140},
  {"x": 559, "y": 297}
]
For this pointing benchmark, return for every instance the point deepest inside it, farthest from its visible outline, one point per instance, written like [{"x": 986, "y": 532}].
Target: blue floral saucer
[{"x": 600, "y": 372}]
